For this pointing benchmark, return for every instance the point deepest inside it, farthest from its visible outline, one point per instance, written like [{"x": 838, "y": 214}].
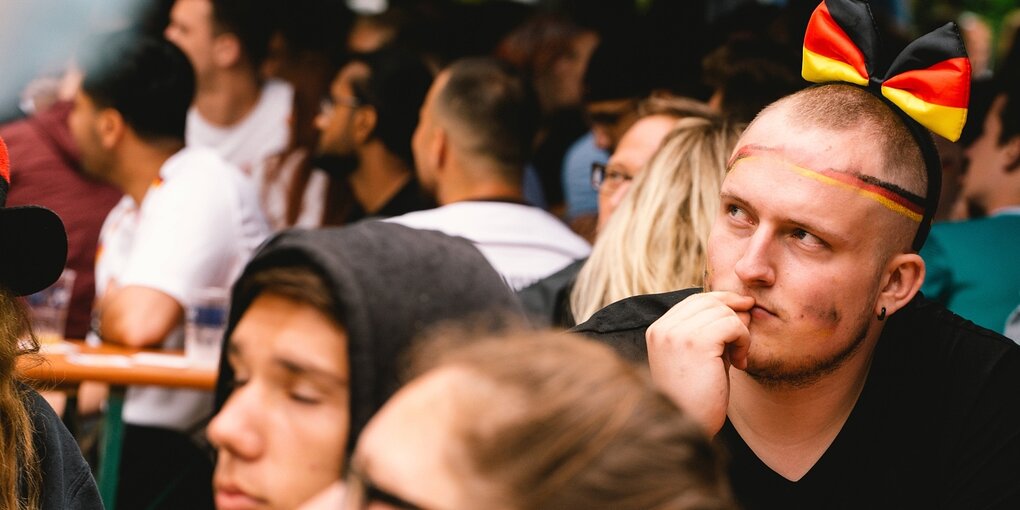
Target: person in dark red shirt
[{"x": 46, "y": 168}]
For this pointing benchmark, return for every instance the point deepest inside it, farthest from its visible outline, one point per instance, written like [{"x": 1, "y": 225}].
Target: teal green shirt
[{"x": 973, "y": 268}]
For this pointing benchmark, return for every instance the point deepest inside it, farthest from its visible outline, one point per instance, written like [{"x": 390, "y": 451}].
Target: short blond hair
[{"x": 840, "y": 107}]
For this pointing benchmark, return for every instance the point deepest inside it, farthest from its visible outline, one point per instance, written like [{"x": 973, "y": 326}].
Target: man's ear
[
  {"x": 901, "y": 281},
  {"x": 441, "y": 149},
  {"x": 226, "y": 50},
  {"x": 1012, "y": 152},
  {"x": 111, "y": 127},
  {"x": 365, "y": 119},
  {"x": 437, "y": 151}
]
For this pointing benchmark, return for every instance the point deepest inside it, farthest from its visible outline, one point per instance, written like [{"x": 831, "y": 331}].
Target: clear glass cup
[
  {"x": 205, "y": 322},
  {"x": 47, "y": 309}
]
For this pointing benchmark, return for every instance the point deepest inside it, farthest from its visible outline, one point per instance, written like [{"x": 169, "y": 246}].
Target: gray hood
[{"x": 390, "y": 283}]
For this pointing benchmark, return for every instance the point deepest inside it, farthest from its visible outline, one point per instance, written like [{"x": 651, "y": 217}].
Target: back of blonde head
[
  {"x": 549, "y": 421},
  {"x": 656, "y": 239}
]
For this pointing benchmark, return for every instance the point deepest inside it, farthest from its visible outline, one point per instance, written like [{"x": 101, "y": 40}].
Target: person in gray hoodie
[{"x": 318, "y": 324}]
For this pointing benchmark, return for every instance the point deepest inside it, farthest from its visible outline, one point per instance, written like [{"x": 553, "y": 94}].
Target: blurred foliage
[{"x": 931, "y": 13}]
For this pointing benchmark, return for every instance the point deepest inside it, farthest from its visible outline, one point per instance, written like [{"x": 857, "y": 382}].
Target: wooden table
[
  {"x": 61, "y": 369},
  {"x": 74, "y": 362}
]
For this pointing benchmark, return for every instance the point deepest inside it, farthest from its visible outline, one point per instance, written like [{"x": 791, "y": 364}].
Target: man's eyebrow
[
  {"x": 733, "y": 197},
  {"x": 829, "y": 235},
  {"x": 295, "y": 368}
]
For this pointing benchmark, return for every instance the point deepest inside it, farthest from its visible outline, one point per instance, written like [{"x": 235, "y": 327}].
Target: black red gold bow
[{"x": 929, "y": 80}]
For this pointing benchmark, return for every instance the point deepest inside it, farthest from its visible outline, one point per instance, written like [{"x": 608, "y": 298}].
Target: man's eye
[
  {"x": 735, "y": 211},
  {"x": 807, "y": 237},
  {"x": 304, "y": 392},
  {"x": 304, "y": 397}
]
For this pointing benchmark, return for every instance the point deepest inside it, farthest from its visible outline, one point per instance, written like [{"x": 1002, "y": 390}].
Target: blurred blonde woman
[
  {"x": 532, "y": 421},
  {"x": 655, "y": 240}
]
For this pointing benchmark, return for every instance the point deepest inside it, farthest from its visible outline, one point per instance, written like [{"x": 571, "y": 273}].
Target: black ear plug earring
[{"x": 881, "y": 315}]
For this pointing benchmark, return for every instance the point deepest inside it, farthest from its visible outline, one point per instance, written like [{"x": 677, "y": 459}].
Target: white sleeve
[{"x": 185, "y": 239}]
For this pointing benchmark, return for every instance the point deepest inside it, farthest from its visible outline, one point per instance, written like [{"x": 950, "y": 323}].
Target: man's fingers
[
  {"x": 698, "y": 303},
  {"x": 737, "y": 302},
  {"x": 744, "y": 317},
  {"x": 691, "y": 347},
  {"x": 708, "y": 331},
  {"x": 694, "y": 325},
  {"x": 737, "y": 349}
]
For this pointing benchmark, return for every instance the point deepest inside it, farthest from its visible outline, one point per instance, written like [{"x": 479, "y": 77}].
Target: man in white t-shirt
[
  {"x": 235, "y": 112},
  {"x": 188, "y": 221},
  {"x": 473, "y": 139}
]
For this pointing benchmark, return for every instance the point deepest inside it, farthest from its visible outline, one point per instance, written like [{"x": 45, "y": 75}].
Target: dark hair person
[{"x": 319, "y": 320}]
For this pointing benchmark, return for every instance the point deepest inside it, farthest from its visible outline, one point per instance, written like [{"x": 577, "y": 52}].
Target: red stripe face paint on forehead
[{"x": 889, "y": 195}]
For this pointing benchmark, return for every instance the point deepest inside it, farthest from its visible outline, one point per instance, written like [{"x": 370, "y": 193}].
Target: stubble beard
[{"x": 775, "y": 373}]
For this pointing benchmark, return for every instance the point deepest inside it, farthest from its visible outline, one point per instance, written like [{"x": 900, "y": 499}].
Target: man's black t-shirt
[
  {"x": 409, "y": 198},
  {"x": 937, "y": 424}
]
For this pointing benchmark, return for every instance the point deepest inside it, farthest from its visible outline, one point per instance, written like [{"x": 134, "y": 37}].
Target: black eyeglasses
[
  {"x": 361, "y": 491},
  {"x": 606, "y": 179},
  {"x": 328, "y": 104}
]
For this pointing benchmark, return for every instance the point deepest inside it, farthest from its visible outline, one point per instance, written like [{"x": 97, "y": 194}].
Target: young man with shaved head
[
  {"x": 812, "y": 357},
  {"x": 473, "y": 139}
]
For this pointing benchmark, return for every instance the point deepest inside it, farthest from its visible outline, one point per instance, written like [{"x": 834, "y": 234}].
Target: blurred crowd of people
[{"x": 410, "y": 206}]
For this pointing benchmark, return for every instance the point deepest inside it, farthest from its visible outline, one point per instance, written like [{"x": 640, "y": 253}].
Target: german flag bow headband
[
  {"x": 929, "y": 80},
  {"x": 928, "y": 83}
]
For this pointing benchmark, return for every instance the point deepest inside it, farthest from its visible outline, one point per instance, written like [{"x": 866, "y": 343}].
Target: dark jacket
[
  {"x": 935, "y": 425},
  {"x": 547, "y": 301},
  {"x": 67, "y": 482}
]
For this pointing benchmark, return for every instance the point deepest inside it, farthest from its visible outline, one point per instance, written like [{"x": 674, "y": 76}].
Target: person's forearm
[{"x": 138, "y": 317}]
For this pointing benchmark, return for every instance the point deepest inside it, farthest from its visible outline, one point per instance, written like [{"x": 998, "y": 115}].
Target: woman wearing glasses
[
  {"x": 655, "y": 239},
  {"x": 547, "y": 301}
]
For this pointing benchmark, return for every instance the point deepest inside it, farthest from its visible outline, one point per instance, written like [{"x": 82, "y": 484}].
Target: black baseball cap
[{"x": 33, "y": 242}]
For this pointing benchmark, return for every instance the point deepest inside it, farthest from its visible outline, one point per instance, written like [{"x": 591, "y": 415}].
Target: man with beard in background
[{"x": 366, "y": 125}]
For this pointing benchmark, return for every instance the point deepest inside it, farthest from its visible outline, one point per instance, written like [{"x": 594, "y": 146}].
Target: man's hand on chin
[{"x": 691, "y": 348}]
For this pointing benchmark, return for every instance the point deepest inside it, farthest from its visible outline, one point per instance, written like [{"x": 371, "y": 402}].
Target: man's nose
[
  {"x": 755, "y": 268},
  {"x": 235, "y": 427}
]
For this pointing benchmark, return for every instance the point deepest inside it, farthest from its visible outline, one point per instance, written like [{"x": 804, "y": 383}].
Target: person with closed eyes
[{"x": 318, "y": 322}]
